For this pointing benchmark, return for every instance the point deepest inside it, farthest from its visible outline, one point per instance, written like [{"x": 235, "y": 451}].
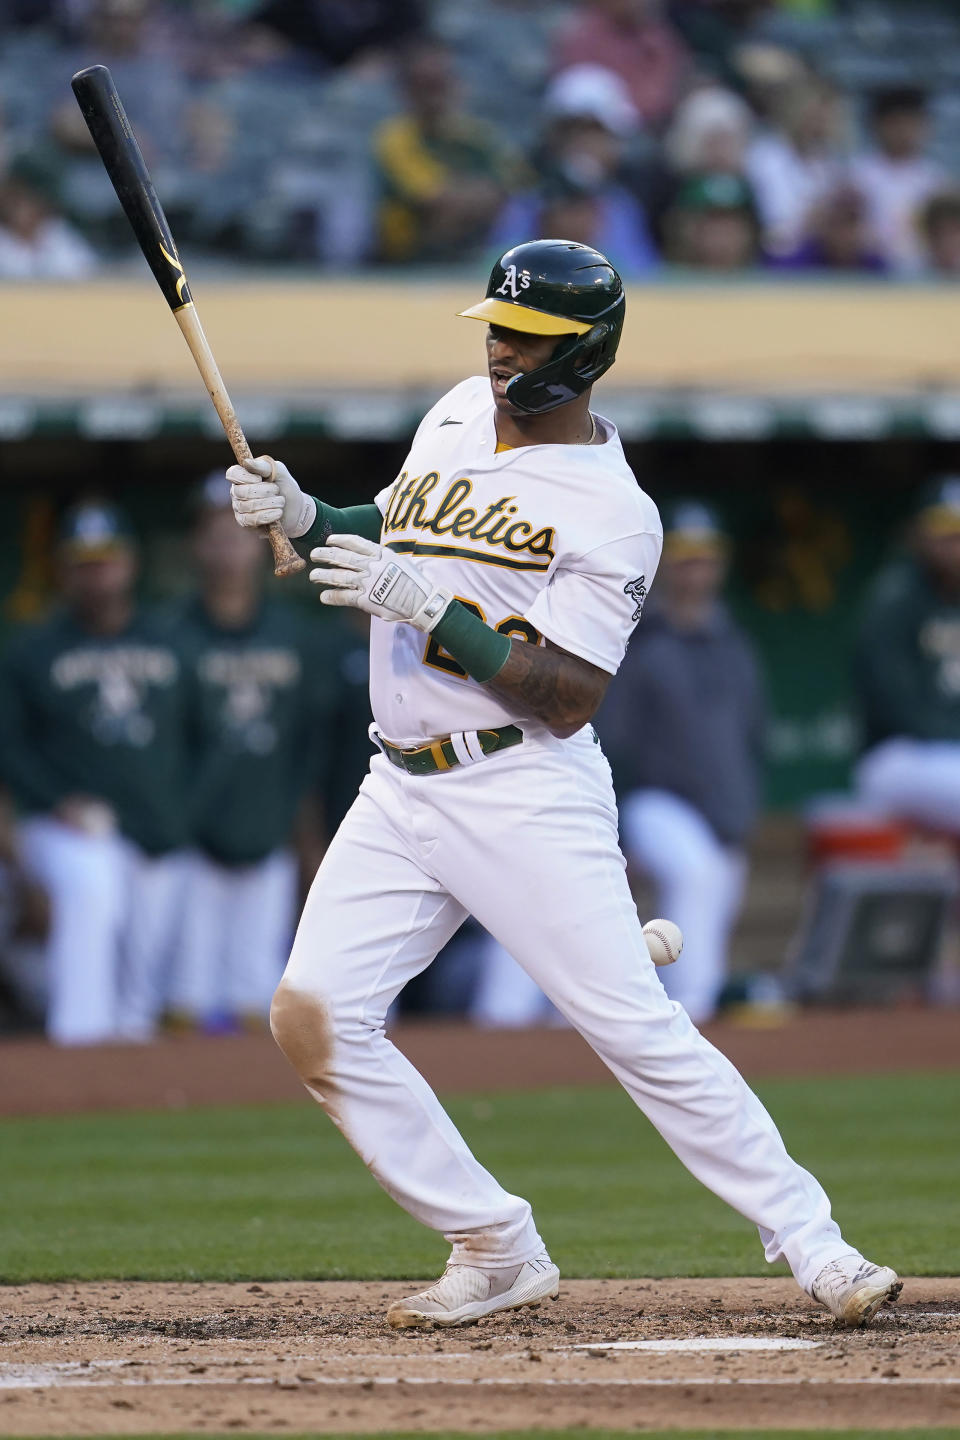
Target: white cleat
[
  {"x": 854, "y": 1291},
  {"x": 464, "y": 1294}
]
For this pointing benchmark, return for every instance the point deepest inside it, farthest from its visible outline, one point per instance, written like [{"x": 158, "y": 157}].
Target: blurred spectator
[
  {"x": 37, "y": 243},
  {"x": 793, "y": 165},
  {"x": 341, "y": 32},
  {"x": 712, "y": 225},
  {"x": 145, "y": 55},
  {"x": 682, "y": 725},
  {"x": 444, "y": 174},
  {"x": 255, "y": 736},
  {"x": 503, "y": 47},
  {"x": 709, "y": 134},
  {"x": 837, "y": 237},
  {"x": 718, "y": 32},
  {"x": 582, "y": 195},
  {"x": 897, "y": 177},
  {"x": 766, "y": 72},
  {"x": 221, "y": 184},
  {"x": 940, "y": 228},
  {"x": 24, "y": 920},
  {"x": 91, "y": 744},
  {"x": 632, "y": 38},
  {"x": 907, "y": 672}
]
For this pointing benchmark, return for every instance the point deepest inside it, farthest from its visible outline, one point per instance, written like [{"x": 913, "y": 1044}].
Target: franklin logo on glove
[{"x": 385, "y": 584}]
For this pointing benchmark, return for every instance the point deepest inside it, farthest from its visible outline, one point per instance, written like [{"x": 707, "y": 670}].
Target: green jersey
[
  {"x": 908, "y": 659},
  {"x": 256, "y": 723},
  {"x": 98, "y": 715}
]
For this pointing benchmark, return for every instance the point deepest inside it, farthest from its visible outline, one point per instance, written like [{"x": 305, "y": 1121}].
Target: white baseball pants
[
  {"x": 527, "y": 841},
  {"x": 916, "y": 780},
  {"x": 506, "y": 998},
  {"x": 235, "y": 935},
  {"x": 699, "y": 886},
  {"x": 113, "y": 916}
]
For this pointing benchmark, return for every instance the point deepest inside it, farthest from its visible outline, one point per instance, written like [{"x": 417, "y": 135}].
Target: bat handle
[{"x": 286, "y": 561}]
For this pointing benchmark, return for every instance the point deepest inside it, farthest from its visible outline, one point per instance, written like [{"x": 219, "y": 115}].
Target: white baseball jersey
[{"x": 543, "y": 541}]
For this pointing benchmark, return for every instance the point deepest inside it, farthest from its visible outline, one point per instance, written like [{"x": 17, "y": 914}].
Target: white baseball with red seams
[
  {"x": 664, "y": 941},
  {"x": 551, "y": 541}
]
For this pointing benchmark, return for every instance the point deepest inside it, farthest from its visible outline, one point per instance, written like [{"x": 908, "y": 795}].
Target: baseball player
[
  {"x": 907, "y": 671},
  {"x": 505, "y": 569},
  {"x": 91, "y": 744},
  {"x": 256, "y": 708},
  {"x": 683, "y": 728}
]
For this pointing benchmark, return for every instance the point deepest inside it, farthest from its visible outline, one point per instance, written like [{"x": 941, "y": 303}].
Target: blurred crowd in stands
[
  {"x": 171, "y": 775},
  {"x": 720, "y": 136}
]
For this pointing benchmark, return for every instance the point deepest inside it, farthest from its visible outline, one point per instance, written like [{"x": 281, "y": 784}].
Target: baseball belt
[{"x": 441, "y": 755}]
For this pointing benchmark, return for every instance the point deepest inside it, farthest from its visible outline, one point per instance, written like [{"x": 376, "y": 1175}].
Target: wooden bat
[{"x": 108, "y": 124}]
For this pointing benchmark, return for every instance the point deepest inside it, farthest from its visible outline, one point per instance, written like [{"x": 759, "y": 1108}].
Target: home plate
[{"x": 702, "y": 1343}]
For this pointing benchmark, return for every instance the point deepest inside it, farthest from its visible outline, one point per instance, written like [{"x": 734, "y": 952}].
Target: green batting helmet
[{"x": 562, "y": 288}]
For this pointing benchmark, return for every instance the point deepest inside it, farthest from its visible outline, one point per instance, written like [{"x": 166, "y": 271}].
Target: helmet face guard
[
  {"x": 556, "y": 287},
  {"x": 576, "y": 363}
]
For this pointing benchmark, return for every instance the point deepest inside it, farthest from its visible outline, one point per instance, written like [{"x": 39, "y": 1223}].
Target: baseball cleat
[
  {"x": 464, "y": 1294},
  {"x": 853, "y": 1291}
]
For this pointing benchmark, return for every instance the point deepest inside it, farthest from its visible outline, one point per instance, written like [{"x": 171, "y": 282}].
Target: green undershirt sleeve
[
  {"x": 481, "y": 651},
  {"x": 364, "y": 520}
]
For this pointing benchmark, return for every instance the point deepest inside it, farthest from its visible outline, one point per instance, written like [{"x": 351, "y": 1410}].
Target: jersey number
[{"x": 437, "y": 657}]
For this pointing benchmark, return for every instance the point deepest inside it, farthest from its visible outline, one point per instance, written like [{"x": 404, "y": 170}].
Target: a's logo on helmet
[
  {"x": 637, "y": 590},
  {"x": 514, "y": 282}
]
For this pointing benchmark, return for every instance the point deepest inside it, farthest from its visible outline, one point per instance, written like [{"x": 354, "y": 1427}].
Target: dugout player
[
  {"x": 91, "y": 745},
  {"x": 907, "y": 671},
  {"x": 491, "y": 795},
  {"x": 683, "y": 726},
  {"x": 254, "y": 714}
]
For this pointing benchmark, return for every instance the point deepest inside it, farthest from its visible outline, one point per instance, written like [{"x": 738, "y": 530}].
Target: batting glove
[
  {"x": 263, "y": 490},
  {"x": 376, "y": 579}
]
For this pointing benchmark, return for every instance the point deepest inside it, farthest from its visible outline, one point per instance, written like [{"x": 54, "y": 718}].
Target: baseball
[{"x": 664, "y": 941}]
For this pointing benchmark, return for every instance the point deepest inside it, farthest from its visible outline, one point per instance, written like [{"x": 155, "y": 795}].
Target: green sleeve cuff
[
  {"x": 364, "y": 520},
  {"x": 481, "y": 651}
]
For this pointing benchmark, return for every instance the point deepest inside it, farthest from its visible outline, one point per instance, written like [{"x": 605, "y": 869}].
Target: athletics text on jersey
[{"x": 542, "y": 542}]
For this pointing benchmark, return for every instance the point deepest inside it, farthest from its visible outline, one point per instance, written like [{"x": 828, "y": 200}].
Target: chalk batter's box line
[{"x": 368, "y": 1383}]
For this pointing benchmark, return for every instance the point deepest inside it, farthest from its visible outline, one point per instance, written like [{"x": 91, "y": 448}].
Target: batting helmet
[{"x": 556, "y": 287}]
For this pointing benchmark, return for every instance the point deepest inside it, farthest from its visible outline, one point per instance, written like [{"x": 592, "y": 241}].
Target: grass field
[{"x": 274, "y": 1192}]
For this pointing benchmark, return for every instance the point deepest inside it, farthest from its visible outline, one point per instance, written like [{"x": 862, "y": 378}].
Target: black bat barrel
[{"x": 108, "y": 124}]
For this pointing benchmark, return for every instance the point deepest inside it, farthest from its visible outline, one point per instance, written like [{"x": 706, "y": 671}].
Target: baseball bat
[{"x": 108, "y": 124}]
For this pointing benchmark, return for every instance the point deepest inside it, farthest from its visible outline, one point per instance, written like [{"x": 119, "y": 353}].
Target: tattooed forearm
[{"x": 556, "y": 687}]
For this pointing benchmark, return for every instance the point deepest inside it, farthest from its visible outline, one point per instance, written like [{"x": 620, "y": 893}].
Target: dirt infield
[
  {"x": 85, "y": 1359},
  {"x": 111, "y": 1358},
  {"x": 36, "y": 1079}
]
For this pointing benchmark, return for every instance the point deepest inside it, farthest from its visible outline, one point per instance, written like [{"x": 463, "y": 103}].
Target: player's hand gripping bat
[{"x": 108, "y": 124}]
